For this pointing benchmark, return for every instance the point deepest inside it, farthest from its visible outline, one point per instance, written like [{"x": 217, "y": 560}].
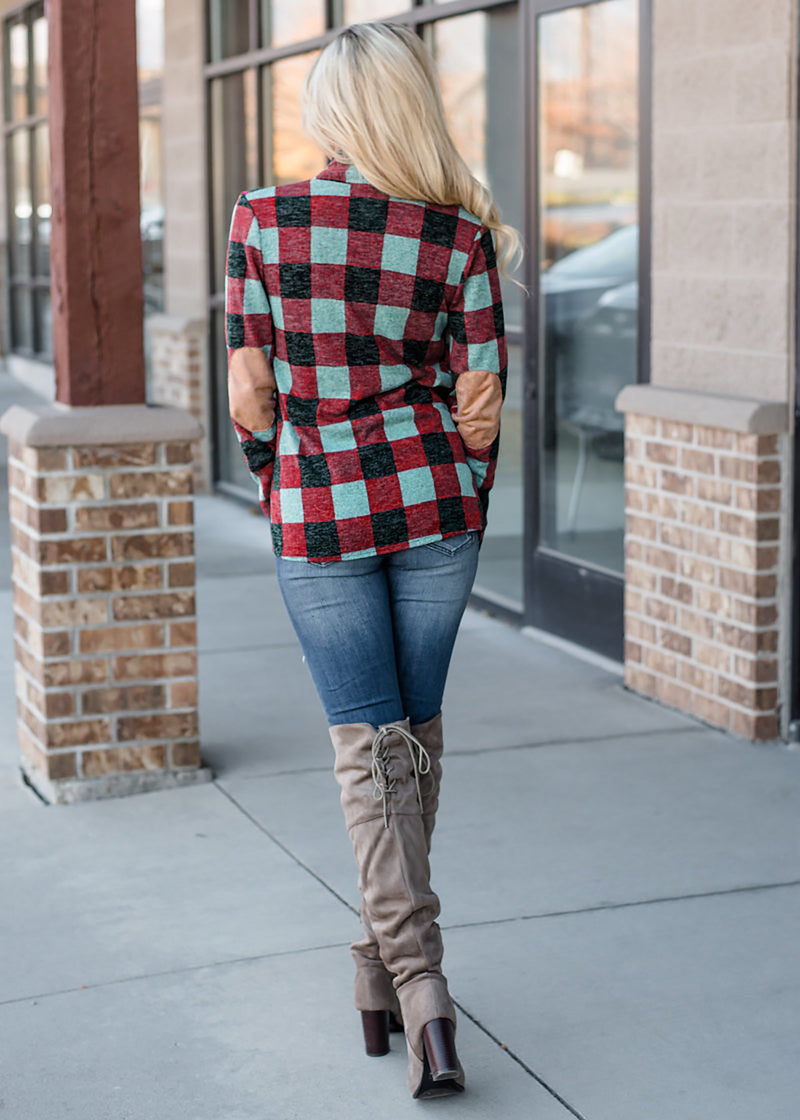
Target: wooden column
[{"x": 95, "y": 256}]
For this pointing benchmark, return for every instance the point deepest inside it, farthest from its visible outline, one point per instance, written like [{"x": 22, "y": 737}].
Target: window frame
[{"x": 550, "y": 581}]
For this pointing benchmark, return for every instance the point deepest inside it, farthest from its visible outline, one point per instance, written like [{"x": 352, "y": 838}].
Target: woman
[{"x": 366, "y": 300}]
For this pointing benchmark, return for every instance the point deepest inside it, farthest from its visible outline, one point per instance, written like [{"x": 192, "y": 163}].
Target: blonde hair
[{"x": 372, "y": 99}]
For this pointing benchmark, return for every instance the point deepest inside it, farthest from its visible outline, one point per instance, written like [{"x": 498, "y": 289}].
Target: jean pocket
[{"x": 452, "y": 545}]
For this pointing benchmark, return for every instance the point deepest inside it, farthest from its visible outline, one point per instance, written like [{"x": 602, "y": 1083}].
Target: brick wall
[
  {"x": 104, "y": 615},
  {"x": 703, "y": 557}
]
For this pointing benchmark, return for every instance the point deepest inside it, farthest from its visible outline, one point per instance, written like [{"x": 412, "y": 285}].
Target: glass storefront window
[
  {"x": 152, "y": 210},
  {"x": 356, "y": 11},
  {"x": 39, "y": 33},
  {"x": 588, "y": 105},
  {"x": 21, "y": 233},
  {"x": 229, "y": 28},
  {"x": 477, "y": 59},
  {"x": 294, "y": 156},
  {"x": 28, "y": 168},
  {"x": 231, "y": 463},
  {"x": 150, "y": 61},
  {"x": 150, "y": 39},
  {"x": 234, "y": 155},
  {"x": 22, "y": 318},
  {"x": 292, "y": 21},
  {"x": 44, "y": 324},
  {"x": 17, "y": 71},
  {"x": 459, "y": 46},
  {"x": 44, "y": 210}
]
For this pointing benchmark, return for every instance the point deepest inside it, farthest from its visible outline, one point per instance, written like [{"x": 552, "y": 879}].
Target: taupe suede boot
[
  {"x": 374, "y": 983},
  {"x": 380, "y": 773}
]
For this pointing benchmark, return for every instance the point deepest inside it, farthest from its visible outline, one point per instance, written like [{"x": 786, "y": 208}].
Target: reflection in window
[
  {"x": 17, "y": 105},
  {"x": 234, "y": 154},
  {"x": 150, "y": 59},
  {"x": 477, "y": 58},
  {"x": 231, "y": 464},
  {"x": 151, "y": 222},
  {"x": 150, "y": 39},
  {"x": 589, "y": 124},
  {"x": 22, "y": 204},
  {"x": 43, "y": 213},
  {"x": 460, "y": 49},
  {"x": 357, "y": 10},
  {"x": 292, "y": 21},
  {"x": 26, "y": 50},
  {"x": 228, "y": 28},
  {"x": 39, "y": 32},
  {"x": 294, "y": 156},
  {"x": 22, "y": 318},
  {"x": 588, "y": 104},
  {"x": 44, "y": 324},
  {"x": 27, "y": 175}
]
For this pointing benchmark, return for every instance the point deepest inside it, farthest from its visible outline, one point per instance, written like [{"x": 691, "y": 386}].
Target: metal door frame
[{"x": 572, "y": 600}]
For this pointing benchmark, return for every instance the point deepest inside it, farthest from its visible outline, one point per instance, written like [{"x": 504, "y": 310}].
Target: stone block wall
[
  {"x": 178, "y": 379},
  {"x": 104, "y": 615},
  {"x": 705, "y": 526},
  {"x": 723, "y": 195}
]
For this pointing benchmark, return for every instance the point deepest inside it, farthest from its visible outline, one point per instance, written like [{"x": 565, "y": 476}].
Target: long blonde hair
[{"x": 372, "y": 99}]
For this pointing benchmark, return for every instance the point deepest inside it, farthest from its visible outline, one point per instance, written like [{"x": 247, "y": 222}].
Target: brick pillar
[
  {"x": 178, "y": 377},
  {"x": 704, "y": 543},
  {"x": 104, "y": 605}
]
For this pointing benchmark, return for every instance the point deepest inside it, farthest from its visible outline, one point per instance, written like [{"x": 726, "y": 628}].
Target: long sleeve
[
  {"x": 249, "y": 331},
  {"x": 479, "y": 362}
]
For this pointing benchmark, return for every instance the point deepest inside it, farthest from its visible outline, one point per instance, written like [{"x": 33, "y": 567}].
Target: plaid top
[{"x": 369, "y": 308}]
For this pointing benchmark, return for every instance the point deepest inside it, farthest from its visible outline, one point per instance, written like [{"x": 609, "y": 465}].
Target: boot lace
[{"x": 385, "y": 784}]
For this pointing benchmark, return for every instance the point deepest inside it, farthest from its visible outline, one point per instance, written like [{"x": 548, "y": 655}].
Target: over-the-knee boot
[
  {"x": 373, "y": 984},
  {"x": 380, "y": 773}
]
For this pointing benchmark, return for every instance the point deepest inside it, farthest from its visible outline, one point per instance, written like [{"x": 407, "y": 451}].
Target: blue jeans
[{"x": 378, "y": 633}]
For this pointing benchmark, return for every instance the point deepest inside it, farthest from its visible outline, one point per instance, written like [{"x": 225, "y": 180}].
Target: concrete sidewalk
[{"x": 620, "y": 899}]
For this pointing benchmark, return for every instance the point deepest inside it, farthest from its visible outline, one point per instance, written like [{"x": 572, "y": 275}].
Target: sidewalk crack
[
  {"x": 180, "y": 971},
  {"x": 287, "y": 851},
  {"x": 721, "y": 892},
  {"x": 516, "y": 1058}
]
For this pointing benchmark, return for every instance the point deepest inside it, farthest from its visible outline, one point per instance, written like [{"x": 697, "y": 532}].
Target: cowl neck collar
[{"x": 342, "y": 172}]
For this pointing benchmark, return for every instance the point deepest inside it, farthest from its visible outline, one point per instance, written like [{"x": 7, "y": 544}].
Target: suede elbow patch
[
  {"x": 479, "y": 398},
  {"x": 251, "y": 389}
]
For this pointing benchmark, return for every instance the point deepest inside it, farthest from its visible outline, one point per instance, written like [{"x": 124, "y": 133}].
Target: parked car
[
  {"x": 600, "y": 360},
  {"x": 579, "y": 304}
]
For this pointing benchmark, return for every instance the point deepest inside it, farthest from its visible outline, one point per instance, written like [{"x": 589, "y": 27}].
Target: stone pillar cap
[
  {"x": 710, "y": 410},
  {"x": 59, "y": 425}
]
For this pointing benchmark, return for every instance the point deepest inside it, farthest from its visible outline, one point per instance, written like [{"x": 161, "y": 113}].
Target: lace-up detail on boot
[{"x": 385, "y": 784}]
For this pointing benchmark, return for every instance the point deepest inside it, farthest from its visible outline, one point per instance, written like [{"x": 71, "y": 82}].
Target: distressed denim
[{"x": 378, "y": 632}]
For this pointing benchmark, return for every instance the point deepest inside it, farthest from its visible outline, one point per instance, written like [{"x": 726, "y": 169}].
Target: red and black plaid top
[{"x": 369, "y": 308}]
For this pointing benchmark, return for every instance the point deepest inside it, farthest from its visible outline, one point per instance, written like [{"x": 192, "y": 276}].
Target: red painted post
[{"x": 95, "y": 254}]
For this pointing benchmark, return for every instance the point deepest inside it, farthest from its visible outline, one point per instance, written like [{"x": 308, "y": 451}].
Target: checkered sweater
[{"x": 369, "y": 308}]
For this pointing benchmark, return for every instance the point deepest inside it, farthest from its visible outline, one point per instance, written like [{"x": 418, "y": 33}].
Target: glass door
[{"x": 585, "y": 319}]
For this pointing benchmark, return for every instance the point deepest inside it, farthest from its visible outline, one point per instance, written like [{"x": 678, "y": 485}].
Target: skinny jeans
[{"x": 377, "y": 633}]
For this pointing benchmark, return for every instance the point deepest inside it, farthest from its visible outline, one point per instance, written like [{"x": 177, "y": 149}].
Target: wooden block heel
[
  {"x": 439, "y": 1041},
  {"x": 440, "y": 1062},
  {"x": 375, "y": 1025}
]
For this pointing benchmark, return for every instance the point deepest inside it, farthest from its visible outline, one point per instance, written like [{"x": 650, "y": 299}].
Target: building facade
[{"x": 644, "y": 504}]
